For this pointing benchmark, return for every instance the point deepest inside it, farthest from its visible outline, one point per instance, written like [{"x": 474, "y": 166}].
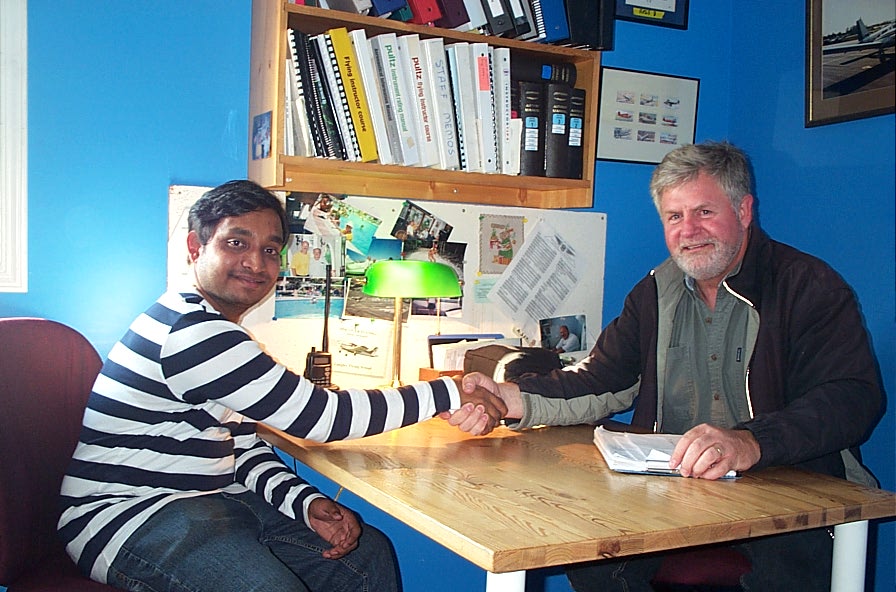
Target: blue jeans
[
  {"x": 781, "y": 563},
  {"x": 240, "y": 543}
]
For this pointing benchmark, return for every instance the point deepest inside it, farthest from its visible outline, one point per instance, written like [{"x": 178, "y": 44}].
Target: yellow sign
[{"x": 648, "y": 13}]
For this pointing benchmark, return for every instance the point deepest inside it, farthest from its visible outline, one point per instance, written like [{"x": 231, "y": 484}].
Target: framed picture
[
  {"x": 643, "y": 116},
  {"x": 668, "y": 13},
  {"x": 850, "y": 60}
]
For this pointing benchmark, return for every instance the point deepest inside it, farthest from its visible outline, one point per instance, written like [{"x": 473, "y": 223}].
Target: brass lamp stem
[{"x": 396, "y": 345}]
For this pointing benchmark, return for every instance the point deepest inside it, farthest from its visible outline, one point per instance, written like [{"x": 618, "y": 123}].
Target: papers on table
[{"x": 646, "y": 454}]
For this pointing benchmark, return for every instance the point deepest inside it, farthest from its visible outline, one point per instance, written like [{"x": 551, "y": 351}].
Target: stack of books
[
  {"x": 411, "y": 101},
  {"x": 587, "y": 24}
]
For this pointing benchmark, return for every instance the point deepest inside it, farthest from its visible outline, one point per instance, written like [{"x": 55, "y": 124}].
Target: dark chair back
[{"x": 47, "y": 371}]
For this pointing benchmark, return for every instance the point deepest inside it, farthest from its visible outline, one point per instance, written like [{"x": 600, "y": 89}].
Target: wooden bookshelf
[{"x": 271, "y": 19}]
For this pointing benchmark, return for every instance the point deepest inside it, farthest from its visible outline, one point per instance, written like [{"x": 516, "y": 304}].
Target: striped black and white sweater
[{"x": 173, "y": 414}]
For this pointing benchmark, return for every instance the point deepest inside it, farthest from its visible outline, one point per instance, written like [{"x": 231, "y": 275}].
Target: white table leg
[
  {"x": 850, "y": 548},
  {"x": 512, "y": 581}
]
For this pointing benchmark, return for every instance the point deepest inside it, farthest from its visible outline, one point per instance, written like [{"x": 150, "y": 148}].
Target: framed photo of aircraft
[
  {"x": 666, "y": 13},
  {"x": 850, "y": 60},
  {"x": 643, "y": 116}
]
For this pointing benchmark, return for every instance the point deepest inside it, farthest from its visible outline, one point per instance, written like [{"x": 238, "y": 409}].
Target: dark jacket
[{"x": 812, "y": 380}]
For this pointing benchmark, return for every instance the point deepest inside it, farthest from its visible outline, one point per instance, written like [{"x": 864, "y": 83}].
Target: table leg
[
  {"x": 512, "y": 581},
  {"x": 850, "y": 547}
]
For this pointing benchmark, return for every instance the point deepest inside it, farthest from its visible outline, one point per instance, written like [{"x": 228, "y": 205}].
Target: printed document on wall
[{"x": 539, "y": 279}]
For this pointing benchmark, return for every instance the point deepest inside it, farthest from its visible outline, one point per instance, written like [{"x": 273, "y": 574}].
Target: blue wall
[{"x": 126, "y": 99}]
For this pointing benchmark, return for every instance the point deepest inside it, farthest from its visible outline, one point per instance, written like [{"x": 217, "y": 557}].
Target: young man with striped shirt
[{"x": 171, "y": 489}]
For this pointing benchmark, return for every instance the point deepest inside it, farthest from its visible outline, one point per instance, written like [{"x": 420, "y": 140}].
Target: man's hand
[
  {"x": 508, "y": 391},
  {"x": 480, "y": 410},
  {"x": 708, "y": 452},
  {"x": 335, "y": 524},
  {"x": 473, "y": 418}
]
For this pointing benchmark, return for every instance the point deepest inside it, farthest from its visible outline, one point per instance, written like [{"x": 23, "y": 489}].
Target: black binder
[
  {"x": 532, "y": 112},
  {"x": 499, "y": 20},
  {"x": 454, "y": 14},
  {"x": 556, "y": 130},
  {"x": 592, "y": 23},
  {"x": 576, "y": 132}
]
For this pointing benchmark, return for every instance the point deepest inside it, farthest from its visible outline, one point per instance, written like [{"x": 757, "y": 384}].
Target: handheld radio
[{"x": 319, "y": 364}]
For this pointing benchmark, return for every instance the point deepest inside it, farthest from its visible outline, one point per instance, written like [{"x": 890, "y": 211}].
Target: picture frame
[
  {"x": 849, "y": 64},
  {"x": 644, "y": 115},
  {"x": 666, "y": 13}
]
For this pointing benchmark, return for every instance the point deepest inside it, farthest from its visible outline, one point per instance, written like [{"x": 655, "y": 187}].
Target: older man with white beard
[{"x": 755, "y": 351}]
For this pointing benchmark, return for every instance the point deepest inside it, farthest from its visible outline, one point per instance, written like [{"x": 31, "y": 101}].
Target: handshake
[{"x": 484, "y": 403}]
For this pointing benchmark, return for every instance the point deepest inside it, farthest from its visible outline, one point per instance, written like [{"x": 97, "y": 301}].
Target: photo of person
[
  {"x": 299, "y": 255},
  {"x": 309, "y": 254},
  {"x": 563, "y": 335}
]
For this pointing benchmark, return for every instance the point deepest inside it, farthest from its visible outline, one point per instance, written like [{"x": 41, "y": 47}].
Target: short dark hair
[{"x": 233, "y": 198}]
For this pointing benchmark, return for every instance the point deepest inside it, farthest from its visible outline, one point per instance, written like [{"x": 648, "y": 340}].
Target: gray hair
[{"x": 722, "y": 161}]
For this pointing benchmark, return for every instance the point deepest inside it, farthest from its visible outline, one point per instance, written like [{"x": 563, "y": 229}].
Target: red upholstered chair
[
  {"x": 709, "y": 569},
  {"x": 46, "y": 374}
]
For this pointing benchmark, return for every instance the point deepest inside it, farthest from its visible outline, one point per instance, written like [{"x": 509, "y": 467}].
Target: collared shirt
[{"x": 706, "y": 362}]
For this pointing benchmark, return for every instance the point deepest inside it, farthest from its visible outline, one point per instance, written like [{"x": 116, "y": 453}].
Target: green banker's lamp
[{"x": 408, "y": 279}]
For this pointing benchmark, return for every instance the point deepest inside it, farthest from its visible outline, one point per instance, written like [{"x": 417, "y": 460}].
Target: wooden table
[{"x": 513, "y": 501}]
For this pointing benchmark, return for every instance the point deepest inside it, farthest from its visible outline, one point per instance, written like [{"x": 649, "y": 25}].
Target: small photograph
[
  {"x": 380, "y": 249},
  {"x": 624, "y": 115},
  {"x": 622, "y": 133},
  {"x": 667, "y": 138},
  {"x": 304, "y": 298},
  {"x": 359, "y": 304},
  {"x": 672, "y": 103},
  {"x": 625, "y": 96},
  {"x": 647, "y": 117},
  {"x": 311, "y": 213},
  {"x": 669, "y": 120},
  {"x": 298, "y": 255},
  {"x": 649, "y": 100},
  {"x": 437, "y": 307},
  {"x": 321, "y": 218},
  {"x": 563, "y": 335},
  {"x": 261, "y": 136},
  {"x": 419, "y": 228},
  {"x": 646, "y": 136},
  {"x": 307, "y": 255},
  {"x": 451, "y": 254},
  {"x": 356, "y": 226}
]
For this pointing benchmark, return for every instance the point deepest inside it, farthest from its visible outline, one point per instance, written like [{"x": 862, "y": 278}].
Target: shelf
[{"x": 271, "y": 18}]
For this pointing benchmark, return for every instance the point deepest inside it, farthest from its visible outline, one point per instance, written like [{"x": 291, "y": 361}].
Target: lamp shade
[{"x": 411, "y": 279}]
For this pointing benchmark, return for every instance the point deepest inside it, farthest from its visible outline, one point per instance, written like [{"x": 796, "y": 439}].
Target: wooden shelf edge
[{"x": 317, "y": 175}]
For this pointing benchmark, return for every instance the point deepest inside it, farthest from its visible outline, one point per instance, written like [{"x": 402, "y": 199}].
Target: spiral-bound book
[
  {"x": 320, "y": 115},
  {"x": 329, "y": 66}
]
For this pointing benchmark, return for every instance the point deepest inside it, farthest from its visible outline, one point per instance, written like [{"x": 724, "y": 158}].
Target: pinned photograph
[
  {"x": 563, "y": 335},
  {"x": 419, "y": 228}
]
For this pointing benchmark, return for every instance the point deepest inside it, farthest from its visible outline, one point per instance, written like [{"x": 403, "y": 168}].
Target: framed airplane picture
[
  {"x": 643, "y": 116},
  {"x": 850, "y": 60}
]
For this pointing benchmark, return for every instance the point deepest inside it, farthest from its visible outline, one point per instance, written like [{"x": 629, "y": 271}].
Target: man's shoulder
[{"x": 786, "y": 263}]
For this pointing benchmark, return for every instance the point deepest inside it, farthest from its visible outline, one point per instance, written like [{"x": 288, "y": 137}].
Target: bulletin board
[{"x": 481, "y": 242}]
